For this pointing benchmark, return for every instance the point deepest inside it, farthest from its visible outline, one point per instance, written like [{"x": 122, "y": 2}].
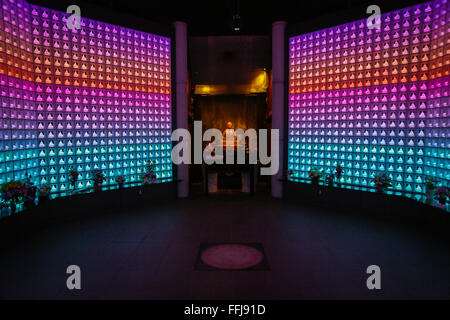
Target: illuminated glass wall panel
[
  {"x": 374, "y": 100},
  {"x": 94, "y": 98}
]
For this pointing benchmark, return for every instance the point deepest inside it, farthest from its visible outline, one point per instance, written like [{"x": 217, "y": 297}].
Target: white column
[
  {"x": 181, "y": 98},
  {"x": 278, "y": 92}
]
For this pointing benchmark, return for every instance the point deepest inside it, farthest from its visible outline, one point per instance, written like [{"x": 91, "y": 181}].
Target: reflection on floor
[{"x": 151, "y": 254}]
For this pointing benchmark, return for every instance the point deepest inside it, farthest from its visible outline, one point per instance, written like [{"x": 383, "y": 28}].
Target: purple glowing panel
[
  {"x": 94, "y": 98},
  {"x": 373, "y": 101}
]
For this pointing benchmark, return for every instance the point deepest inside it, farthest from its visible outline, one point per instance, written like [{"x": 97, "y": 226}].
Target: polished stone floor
[{"x": 151, "y": 253}]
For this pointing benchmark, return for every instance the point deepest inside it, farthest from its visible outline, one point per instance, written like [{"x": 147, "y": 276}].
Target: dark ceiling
[{"x": 214, "y": 17}]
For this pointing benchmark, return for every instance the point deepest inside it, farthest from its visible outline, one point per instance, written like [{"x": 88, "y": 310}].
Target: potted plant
[
  {"x": 73, "y": 179},
  {"x": 338, "y": 174},
  {"x": 120, "y": 181},
  {"x": 12, "y": 193},
  {"x": 382, "y": 181},
  {"x": 430, "y": 186},
  {"x": 315, "y": 176},
  {"x": 98, "y": 178},
  {"x": 148, "y": 173},
  {"x": 44, "y": 194},
  {"x": 329, "y": 179},
  {"x": 29, "y": 194},
  {"x": 442, "y": 193}
]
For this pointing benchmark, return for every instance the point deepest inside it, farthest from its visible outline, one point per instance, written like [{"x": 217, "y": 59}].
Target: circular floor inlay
[{"x": 231, "y": 256}]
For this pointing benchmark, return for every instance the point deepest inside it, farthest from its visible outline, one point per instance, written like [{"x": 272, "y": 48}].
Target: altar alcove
[{"x": 230, "y": 81}]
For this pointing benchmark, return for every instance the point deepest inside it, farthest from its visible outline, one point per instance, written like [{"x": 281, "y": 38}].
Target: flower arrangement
[
  {"x": 148, "y": 173},
  {"x": 98, "y": 178},
  {"x": 430, "y": 185},
  {"x": 12, "y": 193},
  {"x": 338, "y": 171},
  {"x": 44, "y": 193},
  {"x": 329, "y": 179},
  {"x": 120, "y": 181},
  {"x": 73, "y": 178},
  {"x": 315, "y": 175},
  {"x": 382, "y": 181},
  {"x": 442, "y": 193},
  {"x": 29, "y": 193}
]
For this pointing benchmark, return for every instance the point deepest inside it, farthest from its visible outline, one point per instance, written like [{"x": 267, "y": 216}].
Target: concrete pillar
[
  {"x": 181, "y": 98},
  {"x": 278, "y": 101}
]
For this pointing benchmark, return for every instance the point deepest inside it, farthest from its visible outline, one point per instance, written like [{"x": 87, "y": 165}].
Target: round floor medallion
[{"x": 231, "y": 256}]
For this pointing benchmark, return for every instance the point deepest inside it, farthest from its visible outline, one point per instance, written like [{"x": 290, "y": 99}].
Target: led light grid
[
  {"x": 94, "y": 98},
  {"x": 374, "y": 100}
]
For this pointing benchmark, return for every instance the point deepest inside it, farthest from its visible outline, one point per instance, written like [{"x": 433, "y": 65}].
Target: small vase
[
  {"x": 380, "y": 189},
  {"x": 330, "y": 183},
  {"x": 97, "y": 187},
  {"x": 338, "y": 179},
  {"x": 315, "y": 181},
  {"x": 429, "y": 196},
  {"x": 4, "y": 211},
  {"x": 13, "y": 208},
  {"x": 120, "y": 185}
]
